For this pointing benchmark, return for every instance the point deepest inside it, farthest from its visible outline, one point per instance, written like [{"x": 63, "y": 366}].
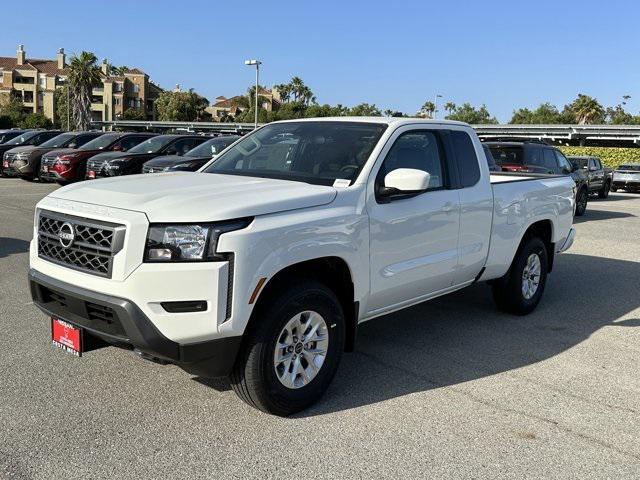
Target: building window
[
  {"x": 117, "y": 87},
  {"x": 136, "y": 88},
  {"x": 116, "y": 101},
  {"x": 43, "y": 81}
]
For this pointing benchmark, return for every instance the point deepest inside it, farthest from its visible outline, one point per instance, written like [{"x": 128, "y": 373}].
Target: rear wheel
[
  {"x": 581, "y": 202},
  {"x": 289, "y": 358},
  {"x": 520, "y": 290}
]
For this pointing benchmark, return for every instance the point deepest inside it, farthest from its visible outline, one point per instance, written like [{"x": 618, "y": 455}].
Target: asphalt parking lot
[{"x": 447, "y": 389}]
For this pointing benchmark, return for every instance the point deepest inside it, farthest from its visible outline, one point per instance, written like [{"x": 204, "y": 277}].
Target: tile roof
[
  {"x": 227, "y": 102},
  {"x": 49, "y": 67}
]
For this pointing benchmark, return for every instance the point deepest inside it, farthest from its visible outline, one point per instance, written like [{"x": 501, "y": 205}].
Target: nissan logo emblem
[{"x": 66, "y": 234}]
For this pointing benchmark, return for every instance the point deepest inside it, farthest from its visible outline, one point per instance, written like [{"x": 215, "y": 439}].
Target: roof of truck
[{"x": 385, "y": 120}]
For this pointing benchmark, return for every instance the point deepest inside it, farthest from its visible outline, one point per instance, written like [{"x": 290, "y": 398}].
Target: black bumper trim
[{"x": 211, "y": 358}]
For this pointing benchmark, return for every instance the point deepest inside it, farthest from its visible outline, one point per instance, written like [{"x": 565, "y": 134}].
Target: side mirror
[
  {"x": 72, "y": 145},
  {"x": 171, "y": 151},
  {"x": 405, "y": 181},
  {"x": 118, "y": 148},
  {"x": 592, "y": 169}
]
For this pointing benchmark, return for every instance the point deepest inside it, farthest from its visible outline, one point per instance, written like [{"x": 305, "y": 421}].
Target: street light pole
[
  {"x": 435, "y": 104},
  {"x": 257, "y": 63}
]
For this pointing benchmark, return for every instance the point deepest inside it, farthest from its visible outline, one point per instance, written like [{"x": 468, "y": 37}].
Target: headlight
[{"x": 188, "y": 243}]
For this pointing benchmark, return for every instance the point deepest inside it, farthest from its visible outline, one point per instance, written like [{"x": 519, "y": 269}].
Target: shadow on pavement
[
  {"x": 593, "y": 215},
  {"x": 462, "y": 337},
  {"x": 11, "y": 246}
]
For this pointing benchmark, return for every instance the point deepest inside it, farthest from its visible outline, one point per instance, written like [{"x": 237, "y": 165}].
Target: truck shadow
[
  {"x": 11, "y": 246},
  {"x": 594, "y": 215},
  {"x": 462, "y": 337}
]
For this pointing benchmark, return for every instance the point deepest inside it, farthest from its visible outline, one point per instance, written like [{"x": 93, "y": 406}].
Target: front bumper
[
  {"x": 632, "y": 184},
  {"x": 120, "y": 322},
  {"x": 567, "y": 242}
]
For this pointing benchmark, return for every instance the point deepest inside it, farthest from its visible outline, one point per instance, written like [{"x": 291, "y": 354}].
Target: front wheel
[
  {"x": 290, "y": 356},
  {"x": 613, "y": 189},
  {"x": 581, "y": 202},
  {"x": 520, "y": 290}
]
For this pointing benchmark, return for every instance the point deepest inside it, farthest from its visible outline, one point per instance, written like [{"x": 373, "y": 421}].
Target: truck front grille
[{"x": 79, "y": 243}]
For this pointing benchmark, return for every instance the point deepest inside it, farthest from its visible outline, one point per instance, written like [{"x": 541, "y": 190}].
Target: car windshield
[
  {"x": 153, "y": 145},
  {"x": 504, "y": 155},
  {"x": 633, "y": 168},
  {"x": 102, "y": 142},
  {"x": 20, "y": 139},
  {"x": 579, "y": 162},
  {"x": 6, "y": 136},
  {"x": 318, "y": 152},
  {"x": 211, "y": 147},
  {"x": 59, "y": 141}
]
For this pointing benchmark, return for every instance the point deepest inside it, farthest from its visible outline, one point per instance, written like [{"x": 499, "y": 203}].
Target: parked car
[
  {"x": 68, "y": 165},
  {"x": 28, "y": 137},
  {"x": 537, "y": 157},
  {"x": 626, "y": 177},
  {"x": 491, "y": 162},
  {"x": 262, "y": 265},
  {"x": 598, "y": 176},
  {"x": 114, "y": 164},
  {"x": 6, "y": 135},
  {"x": 193, "y": 159},
  {"x": 25, "y": 161}
]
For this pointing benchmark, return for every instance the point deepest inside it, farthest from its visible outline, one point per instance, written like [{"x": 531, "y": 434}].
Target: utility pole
[{"x": 257, "y": 64}]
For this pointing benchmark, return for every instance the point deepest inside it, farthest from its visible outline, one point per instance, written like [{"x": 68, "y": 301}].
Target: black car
[
  {"x": 598, "y": 176},
  {"x": 6, "y": 135},
  {"x": 193, "y": 159},
  {"x": 113, "y": 164},
  {"x": 28, "y": 137},
  {"x": 538, "y": 157}
]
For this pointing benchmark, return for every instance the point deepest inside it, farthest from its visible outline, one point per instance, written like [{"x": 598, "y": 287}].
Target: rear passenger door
[{"x": 473, "y": 183}]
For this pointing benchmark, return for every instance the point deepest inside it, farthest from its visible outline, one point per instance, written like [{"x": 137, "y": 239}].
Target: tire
[
  {"x": 509, "y": 292},
  {"x": 613, "y": 189},
  {"x": 581, "y": 202},
  {"x": 604, "y": 191},
  {"x": 256, "y": 376}
]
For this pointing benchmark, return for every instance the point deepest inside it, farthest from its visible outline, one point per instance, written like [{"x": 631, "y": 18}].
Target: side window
[
  {"x": 466, "y": 158},
  {"x": 550, "y": 161},
  {"x": 130, "y": 142},
  {"x": 565, "y": 166},
  {"x": 82, "y": 139},
  {"x": 534, "y": 156},
  {"x": 420, "y": 150},
  {"x": 184, "y": 145},
  {"x": 43, "y": 137}
]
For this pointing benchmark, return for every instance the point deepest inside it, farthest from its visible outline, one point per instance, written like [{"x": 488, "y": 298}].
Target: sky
[{"x": 395, "y": 54}]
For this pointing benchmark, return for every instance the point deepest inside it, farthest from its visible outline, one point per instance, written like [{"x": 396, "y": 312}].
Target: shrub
[{"x": 610, "y": 156}]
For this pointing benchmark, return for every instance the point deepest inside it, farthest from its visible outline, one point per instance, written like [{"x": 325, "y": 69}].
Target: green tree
[
  {"x": 450, "y": 107},
  {"x": 84, "y": 74},
  {"x": 393, "y": 113},
  {"x": 428, "y": 109},
  {"x": 133, "y": 114},
  {"x": 12, "y": 109},
  {"x": 472, "y": 115},
  {"x": 586, "y": 110},
  {"x": 61, "y": 108},
  {"x": 35, "y": 120},
  {"x": 364, "y": 110},
  {"x": 181, "y": 106},
  {"x": 545, "y": 114},
  {"x": 295, "y": 91}
]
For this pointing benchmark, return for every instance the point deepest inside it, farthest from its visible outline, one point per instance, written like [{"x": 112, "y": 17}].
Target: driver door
[{"x": 413, "y": 238}]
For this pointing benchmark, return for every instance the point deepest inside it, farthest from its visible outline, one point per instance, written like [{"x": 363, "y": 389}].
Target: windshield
[
  {"x": 153, "y": 145},
  {"x": 211, "y": 147},
  {"x": 579, "y": 162},
  {"x": 633, "y": 168},
  {"x": 20, "y": 139},
  {"x": 314, "y": 152},
  {"x": 59, "y": 141},
  {"x": 6, "y": 136},
  {"x": 504, "y": 155},
  {"x": 102, "y": 142}
]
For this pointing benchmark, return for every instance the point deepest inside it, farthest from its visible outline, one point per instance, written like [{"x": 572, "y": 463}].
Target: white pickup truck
[{"x": 261, "y": 266}]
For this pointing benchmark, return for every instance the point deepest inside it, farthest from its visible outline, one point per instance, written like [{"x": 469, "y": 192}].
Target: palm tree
[
  {"x": 587, "y": 110},
  {"x": 84, "y": 74},
  {"x": 450, "y": 107},
  {"x": 428, "y": 109}
]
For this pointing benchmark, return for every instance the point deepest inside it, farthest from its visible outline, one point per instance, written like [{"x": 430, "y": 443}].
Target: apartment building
[
  {"x": 35, "y": 81},
  {"x": 223, "y": 108}
]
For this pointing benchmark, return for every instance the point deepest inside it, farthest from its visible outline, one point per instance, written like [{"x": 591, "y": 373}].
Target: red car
[{"x": 67, "y": 165}]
